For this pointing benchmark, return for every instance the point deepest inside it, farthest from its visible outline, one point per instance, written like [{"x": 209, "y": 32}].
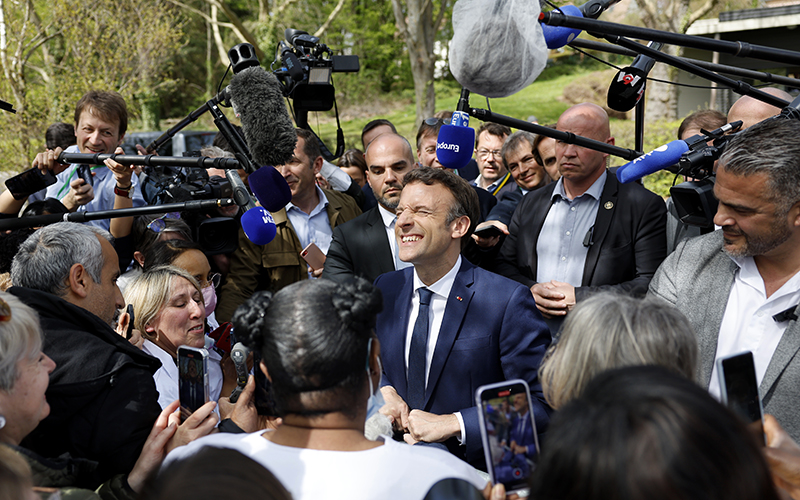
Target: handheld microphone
[
  {"x": 270, "y": 188},
  {"x": 239, "y": 355},
  {"x": 259, "y": 226},
  {"x": 558, "y": 36},
  {"x": 627, "y": 87},
  {"x": 455, "y": 142},
  {"x": 655, "y": 160},
  {"x": 268, "y": 131}
]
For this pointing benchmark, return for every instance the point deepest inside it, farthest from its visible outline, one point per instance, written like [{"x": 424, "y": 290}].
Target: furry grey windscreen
[
  {"x": 268, "y": 130},
  {"x": 498, "y": 47}
]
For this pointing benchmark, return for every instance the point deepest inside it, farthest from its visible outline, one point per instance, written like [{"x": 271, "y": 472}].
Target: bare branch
[
  {"x": 437, "y": 25},
  {"x": 223, "y": 54},
  {"x": 335, "y": 12},
  {"x": 699, "y": 13},
  {"x": 400, "y": 18}
]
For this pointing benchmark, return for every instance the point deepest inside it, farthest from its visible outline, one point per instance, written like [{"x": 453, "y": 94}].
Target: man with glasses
[
  {"x": 493, "y": 174},
  {"x": 587, "y": 232}
]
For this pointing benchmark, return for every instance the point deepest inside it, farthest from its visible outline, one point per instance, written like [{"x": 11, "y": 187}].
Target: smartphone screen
[
  {"x": 508, "y": 431},
  {"x": 192, "y": 379},
  {"x": 739, "y": 389},
  {"x": 29, "y": 182}
]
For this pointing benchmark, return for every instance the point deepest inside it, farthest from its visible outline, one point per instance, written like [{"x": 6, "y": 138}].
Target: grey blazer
[{"x": 697, "y": 278}]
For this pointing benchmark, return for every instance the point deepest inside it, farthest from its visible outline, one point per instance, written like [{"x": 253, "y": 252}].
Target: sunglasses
[
  {"x": 433, "y": 121},
  {"x": 158, "y": 225}
]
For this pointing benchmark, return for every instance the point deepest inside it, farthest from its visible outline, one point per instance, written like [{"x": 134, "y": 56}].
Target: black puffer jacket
[{"x": 103, "y": 399}]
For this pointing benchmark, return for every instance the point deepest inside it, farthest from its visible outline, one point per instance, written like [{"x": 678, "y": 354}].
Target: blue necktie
[{"x": 416, "y": 355}]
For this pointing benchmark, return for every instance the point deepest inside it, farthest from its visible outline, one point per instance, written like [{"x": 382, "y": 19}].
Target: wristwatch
[{"x": 126, "y": 192}]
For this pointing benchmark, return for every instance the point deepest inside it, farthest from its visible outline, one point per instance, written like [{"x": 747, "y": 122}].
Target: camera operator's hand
[
  {"x": 48, "y": 161},
  {"x": 80, "y": 193},
  {"x": 122, "y": 173}
]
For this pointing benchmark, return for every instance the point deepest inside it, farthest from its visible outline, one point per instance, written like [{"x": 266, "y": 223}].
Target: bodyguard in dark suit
[
  {"x": 362, "y": 247},
  {"x": 586, "y": 232},
  {"x": 449, "y": 327}
]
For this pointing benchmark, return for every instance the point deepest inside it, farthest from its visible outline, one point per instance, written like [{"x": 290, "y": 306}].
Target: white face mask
[{"x": 375, "y": 401}]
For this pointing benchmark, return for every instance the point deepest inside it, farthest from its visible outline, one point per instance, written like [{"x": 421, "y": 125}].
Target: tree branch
[
  {"x": 400, "y": 18},
  {"x": 335, "y": 12},
  {"x": 699, "y": 13}
]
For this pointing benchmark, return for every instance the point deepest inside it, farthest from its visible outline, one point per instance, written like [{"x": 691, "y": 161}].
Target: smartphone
[
  {"x": 489, "y": 231},
  {"x": 192, "y": 379},
  {"x": 129, "y": 330},
  {"x": 739, "y": 389},
  {"x": 314, "y": 256},
  {"x": 508, "y": 432},
  {"x": 28, "y": 182}
]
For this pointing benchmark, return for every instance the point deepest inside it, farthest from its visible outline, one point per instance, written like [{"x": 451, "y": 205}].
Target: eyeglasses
[
  {"x": 158, "y": 225},
  {"x": 213, "y": 279},
  {"x": 433, "y": 121},
  {"x": 484, "y": 153}
]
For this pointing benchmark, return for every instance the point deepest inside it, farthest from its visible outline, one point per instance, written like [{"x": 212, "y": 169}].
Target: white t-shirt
[{"x": 394, "y": 470}]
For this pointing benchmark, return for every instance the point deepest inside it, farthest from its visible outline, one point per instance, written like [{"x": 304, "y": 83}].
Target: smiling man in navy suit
[{"x": 449, "y": 327}]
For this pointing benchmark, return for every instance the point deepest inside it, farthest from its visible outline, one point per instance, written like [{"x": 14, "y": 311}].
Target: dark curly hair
[{"x": 313, "y": 338}]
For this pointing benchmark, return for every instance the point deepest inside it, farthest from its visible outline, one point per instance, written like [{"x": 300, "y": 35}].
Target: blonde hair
[
  {"x": 611, "y": 331},
  {"x": 150, "y": 291},
  {"x": 20, "y": 336}
]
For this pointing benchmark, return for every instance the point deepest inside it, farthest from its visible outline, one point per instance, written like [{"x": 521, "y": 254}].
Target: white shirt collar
[{"x": 444, "y": 285}]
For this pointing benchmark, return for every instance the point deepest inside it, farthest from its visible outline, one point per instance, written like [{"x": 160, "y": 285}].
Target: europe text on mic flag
[
  {"x": 497, "y": 48},
  {"x": 455, "y": 142}
]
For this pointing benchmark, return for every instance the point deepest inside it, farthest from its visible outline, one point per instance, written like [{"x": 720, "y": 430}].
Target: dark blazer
[
  {"x": 506, "y": 205},
  {"x": 629, "y": 239},
  {"x": 359, "y": 248},
  {"x": 491, "y": 331}
]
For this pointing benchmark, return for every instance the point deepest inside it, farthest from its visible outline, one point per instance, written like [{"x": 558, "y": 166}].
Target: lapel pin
[
  {"x": 609, "y": 205},
  {"x": 458, "y": 298}
]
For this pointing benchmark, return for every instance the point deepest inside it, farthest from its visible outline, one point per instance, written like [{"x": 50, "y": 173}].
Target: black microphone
[
  {"x": 628, "y": 86},
  {"x": 291, "y": 62},
  {"x": 268, "y": 131}
]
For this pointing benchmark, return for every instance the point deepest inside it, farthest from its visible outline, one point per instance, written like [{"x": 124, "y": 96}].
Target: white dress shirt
[
  {"x": 441, "y": 291},
  {"x": 748, "y": 323}
]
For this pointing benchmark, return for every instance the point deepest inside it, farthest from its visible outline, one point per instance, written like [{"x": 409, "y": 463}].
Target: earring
[{"x": 2, "y": 421}]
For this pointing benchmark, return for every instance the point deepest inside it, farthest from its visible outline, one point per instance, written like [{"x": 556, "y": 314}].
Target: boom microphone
[
  {"x": 497, "y": 47},
  {"x": 257, "y": 100},
  {"x": 627, "y": 87},
  {"x": 657, "y": 159},
  {"x": 455, "y": 142}
]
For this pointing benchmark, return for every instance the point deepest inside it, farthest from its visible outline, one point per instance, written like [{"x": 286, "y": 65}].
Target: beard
[{"x": 778, "y": 233}]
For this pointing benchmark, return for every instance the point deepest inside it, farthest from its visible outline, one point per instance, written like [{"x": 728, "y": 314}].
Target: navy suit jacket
[{"x": 491, "y": 332}]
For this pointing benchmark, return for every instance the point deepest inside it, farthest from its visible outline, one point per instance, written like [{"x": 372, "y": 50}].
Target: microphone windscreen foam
[
  {"x": 256, "y": 96},
  {"x": 270, "y": 188},
  {"x": 558, "y": 36},
  {"x": 259, "y": 226},
  {"x": 497, "y": 48},
  {"x": 626, "y": 89},
  {"x": 454, "y": 145},
  {"x": 655, "y": 160}
]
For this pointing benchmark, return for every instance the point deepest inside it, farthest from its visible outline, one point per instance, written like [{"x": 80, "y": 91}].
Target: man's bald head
[
  {"x": 752, "y": 111},
  {"x": 591, "y": 116}
]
